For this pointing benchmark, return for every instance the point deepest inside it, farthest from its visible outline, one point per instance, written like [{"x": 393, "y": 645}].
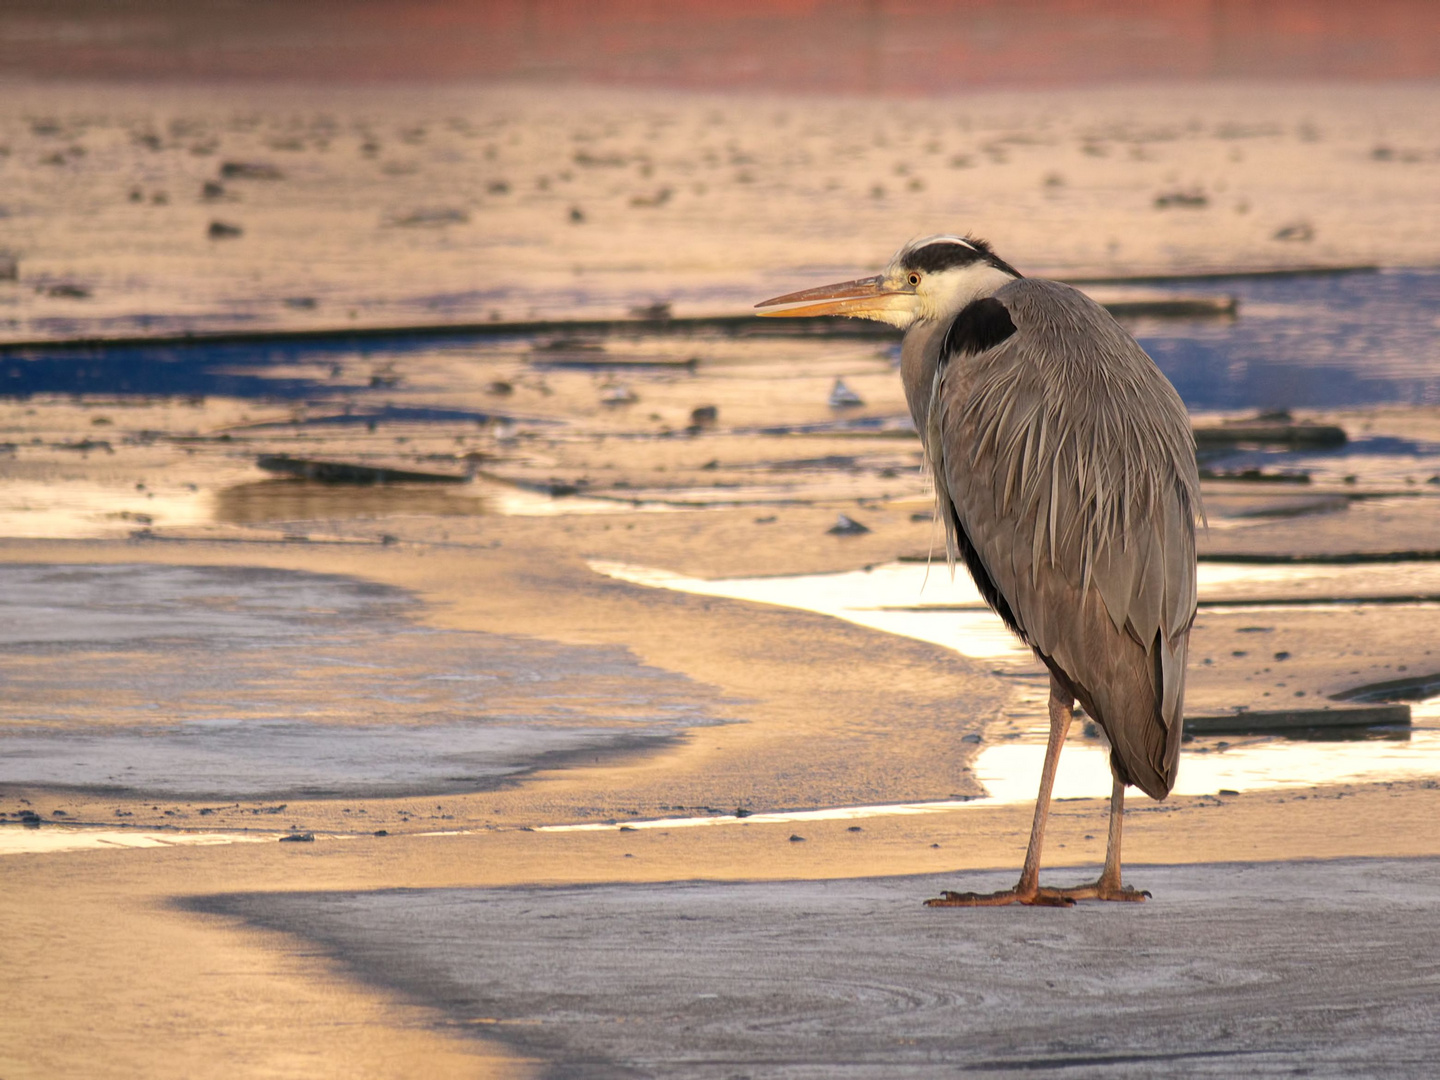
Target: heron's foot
[
  {"x": 1032, "y": 897},
  {"x": 1101, "y": 890}
]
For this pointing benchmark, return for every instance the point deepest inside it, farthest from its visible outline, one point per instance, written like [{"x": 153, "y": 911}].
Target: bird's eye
[{"x": 914, "y": 279}]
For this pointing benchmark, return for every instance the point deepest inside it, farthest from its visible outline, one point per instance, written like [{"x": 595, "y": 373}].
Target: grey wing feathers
[{"x": 1069, "y": 468}]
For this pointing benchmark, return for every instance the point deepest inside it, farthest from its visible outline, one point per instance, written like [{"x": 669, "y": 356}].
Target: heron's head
[{"x": 927, "y": 280}]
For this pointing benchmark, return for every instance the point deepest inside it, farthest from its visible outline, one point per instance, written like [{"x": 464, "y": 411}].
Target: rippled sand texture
[{"x": 383, "y": 206}]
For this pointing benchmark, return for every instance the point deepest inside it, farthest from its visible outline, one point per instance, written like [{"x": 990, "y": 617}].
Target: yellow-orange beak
[{"x": 865, "y": 298}]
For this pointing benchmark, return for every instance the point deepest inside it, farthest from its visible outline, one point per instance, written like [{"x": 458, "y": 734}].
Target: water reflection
[
  {"x": 1372, "y": 334},
  {"x": 1009, "y": 767}
]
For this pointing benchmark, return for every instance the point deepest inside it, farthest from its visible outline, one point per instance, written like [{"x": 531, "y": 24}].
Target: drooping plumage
[{"x": 1065, "y": 473}]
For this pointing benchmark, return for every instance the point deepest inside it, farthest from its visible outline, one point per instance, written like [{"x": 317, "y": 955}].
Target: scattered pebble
[
  {"x": 431, "y": 218},
  {"x": 222, "y": 230},
  {"x": 704, "y": 414},
  {"x": 249, "y": 170},
  {"x": 66, "y": 291},
  {"x": 1192, "y": 198},
  {"x": 796, "y": 838},
  {"x": 842, "y": 397},
  {"x": 971, "y": 738},
  {"x": 618, "y": 395},
  {"x": 1297, "y": 232},
  {"x": 846, "y": 526},
  {"x": 298, "y": 838},
  {"x": 854, "y": 828}
]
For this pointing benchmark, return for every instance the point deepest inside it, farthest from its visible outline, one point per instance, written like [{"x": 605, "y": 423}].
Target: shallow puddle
[
  {"x": 18, "y": 840},
  {"x": 245, "y": 683},
  {"x": 926, "y": 604}
]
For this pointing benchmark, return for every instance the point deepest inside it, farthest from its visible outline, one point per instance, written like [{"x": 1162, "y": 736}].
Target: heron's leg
[
  {"x": 1027, "y": 890},
  {"x": 1108, "y": 887}
]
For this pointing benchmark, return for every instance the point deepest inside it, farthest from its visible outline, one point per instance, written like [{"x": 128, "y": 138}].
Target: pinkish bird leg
[
  {"x": 1108, "y": 886},
  {"x": 1027, "y": 890}
]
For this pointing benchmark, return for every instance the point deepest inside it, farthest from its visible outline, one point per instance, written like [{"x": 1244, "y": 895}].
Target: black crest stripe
[
  {"x": 981, "y": 325},
  {"x": 949, "y": 252}
]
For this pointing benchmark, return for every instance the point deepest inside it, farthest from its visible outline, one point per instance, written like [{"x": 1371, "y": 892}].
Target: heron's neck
[
  {"x": 919, "y": 357},
  {"x": 920, "y": 354}
]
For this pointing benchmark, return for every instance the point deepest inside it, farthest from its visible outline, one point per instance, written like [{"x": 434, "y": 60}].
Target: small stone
[
  {"x": 618, "y": 395},
  {"x": 1297, "y": 232},
  {"x": 298, "y": 838},
  {"x": 381, "y": 832},
  {"x": 854, "y": 828},
  {"x": 249, "y": 170},
  {"x": 704, "y": 414},
  {"x": 846, "y": 526},
  {"x": 742, "y": 812},
  {"x": 1228, "y": 791},
  {"x": 971, "y": 738},
  {"x": 223, "y": 230},
  {"x": 842, "y": 397},
  {"x": 1191, "y": 198},
  {"x": 796, "y": 838},
  {"x": 1282, "y": 655}
]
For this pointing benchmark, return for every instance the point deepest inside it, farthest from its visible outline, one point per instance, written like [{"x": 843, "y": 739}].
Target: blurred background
[
  {"x": 169, "y": 167},
  {"x": 829, "y": 46}
]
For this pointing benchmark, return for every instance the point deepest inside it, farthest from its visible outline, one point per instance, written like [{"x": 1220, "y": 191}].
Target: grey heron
[{"x": 1064, "y": 472}]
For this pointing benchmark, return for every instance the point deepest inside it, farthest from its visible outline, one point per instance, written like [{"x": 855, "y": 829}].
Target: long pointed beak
[{"x": 865, "y": 298}]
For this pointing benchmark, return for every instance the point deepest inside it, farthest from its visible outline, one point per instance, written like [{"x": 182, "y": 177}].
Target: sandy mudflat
[
  {"x": 197, "y": 647},
  {"x": 395, "y": 205}
]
